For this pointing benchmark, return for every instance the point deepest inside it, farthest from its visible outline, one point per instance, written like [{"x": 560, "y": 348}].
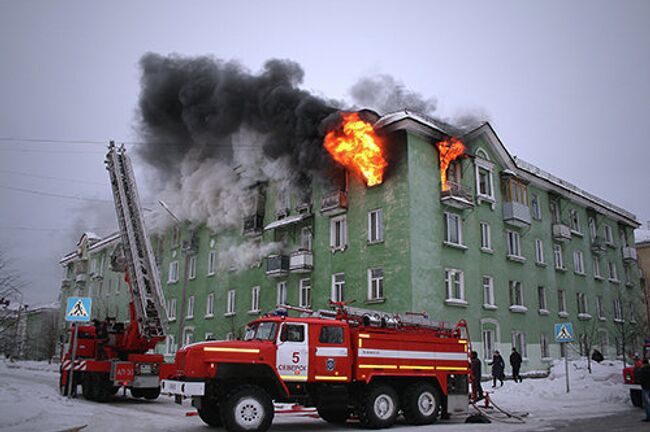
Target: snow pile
[{"x": 29, "y": 365}]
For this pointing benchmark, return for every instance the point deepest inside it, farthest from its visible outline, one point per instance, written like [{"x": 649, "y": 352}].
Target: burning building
[{"x": 396, "y": 212}]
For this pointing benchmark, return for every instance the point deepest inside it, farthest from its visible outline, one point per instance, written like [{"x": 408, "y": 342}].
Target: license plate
[{"x": 145, "y": 369}]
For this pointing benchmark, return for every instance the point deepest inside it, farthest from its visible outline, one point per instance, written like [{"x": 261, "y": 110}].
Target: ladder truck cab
[
  {"x": 346, "y": 362},
  {"x": 111, "y": 354},
  {"x": 630, "y": 379}
]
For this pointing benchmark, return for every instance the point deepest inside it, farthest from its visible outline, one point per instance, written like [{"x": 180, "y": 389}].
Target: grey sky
[{"x": 565, "y": 84}]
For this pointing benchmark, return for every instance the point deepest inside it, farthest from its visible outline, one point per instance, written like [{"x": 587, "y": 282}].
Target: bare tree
[
  {"x": 11, "y": 308},
  {"x": 629, "y": 327},
  {"x": 587, "y": 339}
]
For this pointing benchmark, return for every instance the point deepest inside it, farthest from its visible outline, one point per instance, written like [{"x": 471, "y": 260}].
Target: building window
[
  {"x": 543, "y": 344},
  {"x": 190, "y": 307},
  {"x": 484, "y": 183},
  {"x": 170, "y": 345},
  {"x": 628, "y": 274},
  {"x": 176, "y": 236},
  {"x": 455, "y": 284},
  {"x": 519, "y": 342},
  {"x": 515, "y": 191},
  {"x": 581, "y": 299},
  {"x": 578, "y": 262},
  {"x": 188, "y": 336},
  {"x": 621, "y": 234},
  {"x": 281, "y": 289},
  {"x": 609, "y": 237},
  {"x": 338, "y": 233},
  {"x": 488, "y": 291},
  {"x": 453, "y": 229},
  {"x": 192, "y": 270},
  {"x": 597, "y": 272},
  {"x": 375, "y": 226},
  {"x": 516, "y": 294},
  {"x": 306, "y": 238},
  {"x": 514, "y": 244},
  {"x": 283, "y": 202},
  {"x": 305, "y": 292},
  {"x": 592, "y": 228},
  {"x": 557, "y": 257},
  {"x": 255, "y": 299},
  {"x": 375, "y": 284},
  {"x": 618, "y": 312},
  {"x": 575, "y": 221},
  {"x": 209, "y": 305},
  {"x": 613, "y": 272},
  {"x": 230, "y": 336},
  {"x": 209, "y": 336},
  {"x": 488, "y": 343},
  {"x": 539, "y": 251},
  {"x": 338, "y": 287},
  {"x": 173, "y": 272},
  {"x": 486, "y": 237},
  {"x": 599, "y": 308},
  {"x": 534, "y": 203},
  {"x": 230, "y": 307},
  {"x": 561, "y": 301},
  {"x": 541, "y": 298},
  {"x": 212, "y": 262},
  {"x": 171, "y": 309}
]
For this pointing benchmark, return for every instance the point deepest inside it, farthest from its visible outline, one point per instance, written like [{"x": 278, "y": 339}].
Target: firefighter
[
  {"x": 498, "y": 367},
  {"x": 515, "y": 363},
  {"x": 475, "y": 365},
  {"x": 597, "y": 356},
  {"x": 642, "y": 376}
]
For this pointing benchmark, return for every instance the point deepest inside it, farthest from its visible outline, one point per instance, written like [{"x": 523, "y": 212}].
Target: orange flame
[
  {"x": 448, "y": 150},
  {"x": 356, "y": 146}
]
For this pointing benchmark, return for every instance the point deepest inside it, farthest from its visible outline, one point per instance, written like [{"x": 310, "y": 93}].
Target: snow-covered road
[{"x": 29, "y": 401}]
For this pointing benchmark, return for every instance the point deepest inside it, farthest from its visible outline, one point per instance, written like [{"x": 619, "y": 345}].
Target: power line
[
  {"x": 49, "y": 140},
  {"x": 35, "y": 192},
  {"x": 20, "y": 228},
  {"x": 51, "y": 178},
  {"x": 50, "y": 151},
  {"x": 105, "y": 143}
]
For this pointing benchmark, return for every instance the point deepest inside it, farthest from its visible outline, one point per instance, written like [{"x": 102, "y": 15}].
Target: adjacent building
[{"x": 501, "y": 243}]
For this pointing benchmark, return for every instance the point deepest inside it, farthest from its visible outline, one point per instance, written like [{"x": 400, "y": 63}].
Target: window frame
[
  {"x": 376, "y": 226},
  {"x": 578, "y": 262},
  {"x": 339, "y": 240},
  {"x": 488, "y": 292},
  {"x": 459, "y": 231},
  {"x": 255, "y": 299},
  {"x": 212, "y": 262},
  {"x": 338, "y": 288},
  {"x": 173, "y": 269},
  {"x": 191, "y": 271},
  {"x": 486, "y": 237},
  {"x": 189, "y": 313},
  {"x": 539, "y": 252},
  {"x": 454, "y": 280},
  {"x": 304, "y": 292},
  {"x": 281, "y": 293},
  {"x": 209, "y": 305},
  {"x": 375, "y": 290},
  {"x": 231, "y": 302}
]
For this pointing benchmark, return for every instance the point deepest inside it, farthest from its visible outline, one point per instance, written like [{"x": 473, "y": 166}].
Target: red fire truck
[
  {"x": 109, "y": 354},
  {"x": 629, "y": 378},
  {"x": 350, "y": 361}
]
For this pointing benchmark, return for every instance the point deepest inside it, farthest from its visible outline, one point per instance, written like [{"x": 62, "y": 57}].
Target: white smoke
[{"x": 246, "y": 255}]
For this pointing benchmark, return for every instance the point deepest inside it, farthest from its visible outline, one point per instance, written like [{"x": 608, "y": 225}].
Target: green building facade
[{"x": 502, "y": 244}]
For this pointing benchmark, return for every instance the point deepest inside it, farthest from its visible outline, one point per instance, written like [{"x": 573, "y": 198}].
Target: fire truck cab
[{"x": 356, "y": 362}]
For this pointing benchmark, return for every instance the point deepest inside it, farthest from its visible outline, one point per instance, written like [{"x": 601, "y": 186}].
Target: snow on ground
[{"x": 29, "y": 401}]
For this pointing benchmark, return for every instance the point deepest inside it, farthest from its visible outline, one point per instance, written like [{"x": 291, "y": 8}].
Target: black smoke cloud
[
  {"x": 197, "y": 104},
  {"x": 386, "y": 94}
]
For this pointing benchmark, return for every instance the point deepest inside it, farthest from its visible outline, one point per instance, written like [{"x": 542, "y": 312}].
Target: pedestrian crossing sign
[
  {"x": 78, "y": 309},
  {"x": 564, "y": 332}
]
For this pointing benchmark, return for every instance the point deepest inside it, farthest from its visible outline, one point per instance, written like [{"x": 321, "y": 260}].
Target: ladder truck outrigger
[
  {"x": 110, "y": 355},
  {"x": 346, "y": 362}
]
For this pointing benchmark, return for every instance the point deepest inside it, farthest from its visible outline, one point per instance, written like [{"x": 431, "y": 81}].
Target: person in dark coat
[
  {"x": 475, "y": 365},
  {"x": 498, "y": 368},
  {"x": 515, "y": 363},
  {"x": 597, "y": 356},
  {"x": 642, "y": 376}
]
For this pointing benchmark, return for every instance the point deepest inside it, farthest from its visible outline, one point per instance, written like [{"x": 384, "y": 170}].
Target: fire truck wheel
[
  {"x": 636, "y": 397},
  {"x": 102, "y": 387},
  {"x": 333, "y": 415},
  {"x": 87, "y": 389},
  {"x": 378, "y": 407},
  {"x": 210, "y": 412},
  {"x": 151, "y": 393},
  {"x": 137, "y": 393},
  {"x": 420, "y": 403},
  {"x": 247, "y": 408},
  {"x": 114, "y": 390}
]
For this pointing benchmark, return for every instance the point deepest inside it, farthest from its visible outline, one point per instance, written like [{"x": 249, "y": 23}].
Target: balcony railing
[
  {"x": 456, "y": 195},
  {"x": 334, "y": 203},
  {"x": 561, "y": 232},
  {"x": 253, "y": 225},
  {"x": 598, "y": 245},
  {"x": 629, "y": 253},
  {"x": 301, "y": 261},
  {"x": 516, "y": 214},
  {"x": 277, "y": 265}
]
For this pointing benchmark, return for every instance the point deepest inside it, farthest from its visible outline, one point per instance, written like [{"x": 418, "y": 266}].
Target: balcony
[
  {"x": 629, "y": 253},
  {"x": 561, "y": 232},
  {"x": 334, "y": 203},
  {"x": 253, "y": 225},
  {"x": 301, "y": 261},
  {"x": 598, "y": 245},
  {"x": 456, "y": 195},
  {"x": 516, "y": 214},
  {"x": 277, "y": 265}
]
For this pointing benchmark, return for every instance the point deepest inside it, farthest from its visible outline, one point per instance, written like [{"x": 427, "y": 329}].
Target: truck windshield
[{"x": 261, "y": 331}]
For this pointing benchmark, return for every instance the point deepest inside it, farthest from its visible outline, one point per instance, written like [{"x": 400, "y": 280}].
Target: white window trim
[
  {"x": 172, "y": 276},
  {"x": 448, "y": 280},
  {"x": 371, "y": 297},
  {"x": 344, "y": 233},
  {"x": 379, "y": 226},
  {"x": 488, "y": 166},
  {"x": 231, "y": 303},
  {"x": 488, "y": 237},
  {"x": 171, "y": 309},
  {"x": 189, "y": 314},
  {"x": 511, "y": 254},
  {"x": 212, "y": 262},
  {"x": 255, "y": 295},
  {"x": 540, "y": 259},
  {"x": 488, "y": 303},
  {"x": 558, "y": 258},
  {"x": 280, "y": 289},
  {"x": 334, "y": 287},
  {"x": 209, "y": 304},
  {"x": 301, "y": 287},
  {"x": 447, "y": 242},
  {"x": 578, "y": 263}
]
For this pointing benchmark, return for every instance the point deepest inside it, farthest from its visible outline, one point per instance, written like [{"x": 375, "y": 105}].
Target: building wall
[{"x": 412, "y": 255}]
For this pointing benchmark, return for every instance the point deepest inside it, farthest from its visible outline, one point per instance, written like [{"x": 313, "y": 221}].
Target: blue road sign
[
  {"x": 78, "y": 309},
  {"x": 564, "y": 332}
]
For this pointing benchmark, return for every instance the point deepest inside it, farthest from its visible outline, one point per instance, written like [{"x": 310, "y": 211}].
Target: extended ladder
[{"x": 144, "y": 280}]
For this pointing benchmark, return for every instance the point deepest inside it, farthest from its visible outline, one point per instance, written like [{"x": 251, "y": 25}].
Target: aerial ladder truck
[{"x": 110, "y": 355}]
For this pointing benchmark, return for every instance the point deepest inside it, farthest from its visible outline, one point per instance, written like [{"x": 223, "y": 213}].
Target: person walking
[
  {"x": 515, "y": 363},
  {"x": 475, "y": 366},
  {"x": 642, "y": 376},
  {"x": 498, "y": 368}
]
